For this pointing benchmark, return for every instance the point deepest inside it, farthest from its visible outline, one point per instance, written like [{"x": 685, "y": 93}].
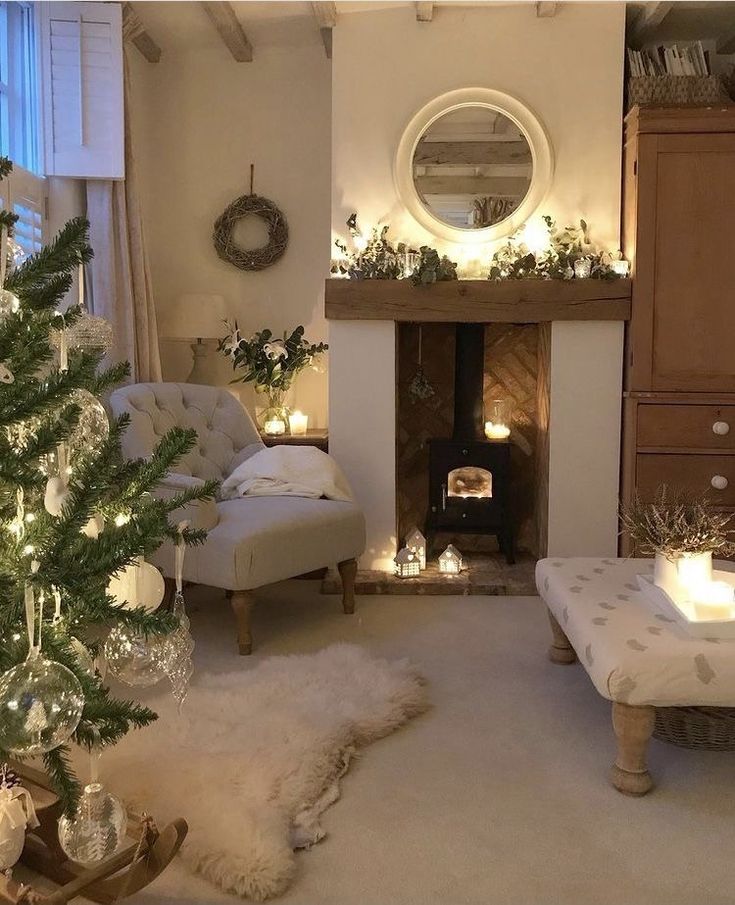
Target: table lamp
[{"x": 199, "y": 317}]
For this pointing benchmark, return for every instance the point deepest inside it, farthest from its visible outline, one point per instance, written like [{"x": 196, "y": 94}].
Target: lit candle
[
  {"x": 275, "y": 427},
  {"x": 298, "y": 423},
  {"x": 582, "y": 268},
  {"x": 715, "y": 600},
  {"x": 496, "y": 431},
  {"x": 621, "y": 267}
]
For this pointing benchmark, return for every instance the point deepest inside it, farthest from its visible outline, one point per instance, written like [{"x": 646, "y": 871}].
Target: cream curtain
[{"x": 120, "y": 279}]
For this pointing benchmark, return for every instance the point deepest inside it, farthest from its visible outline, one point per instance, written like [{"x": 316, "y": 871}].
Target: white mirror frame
[{"x": 529, "y": 124}]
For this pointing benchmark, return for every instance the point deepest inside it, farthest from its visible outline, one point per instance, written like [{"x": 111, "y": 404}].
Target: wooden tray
[{"x": 146, "y": 854}]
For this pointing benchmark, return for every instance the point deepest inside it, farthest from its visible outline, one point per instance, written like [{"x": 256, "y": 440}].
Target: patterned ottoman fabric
[{"x": 633, "y": 653}]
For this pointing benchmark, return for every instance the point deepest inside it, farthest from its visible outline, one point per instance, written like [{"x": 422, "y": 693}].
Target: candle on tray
[
  {"x": 275, "y": 427},
  {"x": 298, "y": 423},
  {"x": 714, "y": 600}
]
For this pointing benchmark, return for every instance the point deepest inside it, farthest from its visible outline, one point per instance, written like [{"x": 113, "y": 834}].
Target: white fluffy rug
[{"x": 257, "y": 757}]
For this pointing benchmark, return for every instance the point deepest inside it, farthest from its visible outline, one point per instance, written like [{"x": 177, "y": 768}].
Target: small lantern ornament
[
  {"x": 16, "y": 813},
  {"x": 406, "y": 564},
  {"x": 450, "y": 561},
  {"x": 416, "y": 543}
]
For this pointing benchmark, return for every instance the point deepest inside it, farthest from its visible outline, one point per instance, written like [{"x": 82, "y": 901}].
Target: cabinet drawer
[
  {"x": 688, "y": 472},
  {"x": 687, "y": 426}
]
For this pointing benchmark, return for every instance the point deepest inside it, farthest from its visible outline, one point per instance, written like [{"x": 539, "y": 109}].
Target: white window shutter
[{"x": 82, "y": 57}]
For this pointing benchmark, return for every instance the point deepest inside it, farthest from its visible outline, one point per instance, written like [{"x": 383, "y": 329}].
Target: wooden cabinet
[{"x": 678, "y": 233}]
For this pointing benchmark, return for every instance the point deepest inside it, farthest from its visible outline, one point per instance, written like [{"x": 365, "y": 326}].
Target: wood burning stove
[{"x": 469, "y": 476}]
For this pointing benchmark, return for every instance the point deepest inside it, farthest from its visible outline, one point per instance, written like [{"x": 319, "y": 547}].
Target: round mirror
[{"x": 473, "y": 165}]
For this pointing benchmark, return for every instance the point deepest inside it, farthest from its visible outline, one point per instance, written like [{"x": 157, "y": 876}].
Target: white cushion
[
  {"x": 632, "y": 652},
  {"x": 261, "y": 540}
]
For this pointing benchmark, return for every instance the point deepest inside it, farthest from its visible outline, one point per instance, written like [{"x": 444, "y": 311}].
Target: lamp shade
[{"x": 194, "y": 315}]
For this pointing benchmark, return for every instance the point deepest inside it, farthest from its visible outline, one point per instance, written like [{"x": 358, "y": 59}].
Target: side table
[{"x": 318, "y": 438}]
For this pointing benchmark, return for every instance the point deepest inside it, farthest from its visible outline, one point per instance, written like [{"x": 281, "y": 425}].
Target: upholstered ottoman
[{"x": 637, "y": 657}]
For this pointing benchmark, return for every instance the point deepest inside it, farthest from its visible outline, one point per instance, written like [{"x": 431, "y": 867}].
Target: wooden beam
[
  {"x": 471, "y": 153},
  {"x": 140, "y": 37},
  {"x": 223, "y": 17},
  {"x": 424, "y": 12},
  {"x": 545, "y": 10},
  {"x": 650, "y": 16},
  {"x": 497, "y": 186},
  {"x": 478, "y": 301},
  {"x": 326, "y": 19},
  {"x": 726, "y": 44}
]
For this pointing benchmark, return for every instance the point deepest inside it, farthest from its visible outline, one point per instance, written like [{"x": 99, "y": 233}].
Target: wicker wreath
[{"x": 251, "y": 258}]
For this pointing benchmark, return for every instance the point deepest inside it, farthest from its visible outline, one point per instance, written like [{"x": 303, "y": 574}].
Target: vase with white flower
[{"x": 271, "y": 364}]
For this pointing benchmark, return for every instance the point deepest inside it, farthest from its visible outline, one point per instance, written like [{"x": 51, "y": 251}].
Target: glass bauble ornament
[
  {"x": 16, "y": 254},
  {"x": 41, "y": 704},
  {"x": 93, "y": 426},
  {"x": 134, "y": 659},
  {"x": 90, "y": 332},
  {"x": 84, "y": 658},
  {"x": 97, "y": 828},
  {"x": 9, "y": 303}
]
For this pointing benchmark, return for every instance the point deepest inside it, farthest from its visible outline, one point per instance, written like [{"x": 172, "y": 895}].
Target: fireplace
[{"x": 470, "y": 476}]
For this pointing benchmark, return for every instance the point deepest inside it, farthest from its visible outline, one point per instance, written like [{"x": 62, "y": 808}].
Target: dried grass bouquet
[{"x": 675, "y": 523}]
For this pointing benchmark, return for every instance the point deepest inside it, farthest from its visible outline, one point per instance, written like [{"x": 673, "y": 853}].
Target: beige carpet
[{"x": 497, "y": 796}]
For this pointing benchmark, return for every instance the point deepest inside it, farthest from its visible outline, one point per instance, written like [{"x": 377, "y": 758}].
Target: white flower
[
  {"x": 275, "y": 350},
  {"x": 231, "y": 343}
]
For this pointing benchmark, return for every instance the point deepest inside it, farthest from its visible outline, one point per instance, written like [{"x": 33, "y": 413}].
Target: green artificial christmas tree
[{"x": 73, "y": 513}]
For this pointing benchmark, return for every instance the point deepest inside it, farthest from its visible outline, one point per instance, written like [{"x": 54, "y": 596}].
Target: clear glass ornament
[
  {"x": 93, "y": 426},
  {"x": 134, "y": 659},
  {"x": 41, "y": 704},
  {"x": 16, "y": 254},
  {"x": 179, "y": 646},
  {"x": 97, "y": 829},
  {"x": 90, "y": 332},
  {"x": 9, "y": 303}
]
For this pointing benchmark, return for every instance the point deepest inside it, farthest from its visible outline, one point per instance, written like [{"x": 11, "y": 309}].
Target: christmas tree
[{"x": 73, "y": 513}]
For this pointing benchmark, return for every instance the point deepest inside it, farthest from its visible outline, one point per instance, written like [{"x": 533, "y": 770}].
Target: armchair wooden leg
[
  {"x": 348, "y": 573},
  {"x": 242, "y": 605},
  {"x": 633, "y": 728}
]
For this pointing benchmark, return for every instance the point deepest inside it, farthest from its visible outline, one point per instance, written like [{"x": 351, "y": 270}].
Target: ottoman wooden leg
[
  {"x": 560, "y": 651},
  {"x": 633, "y": 727},
  {"x": 348, "y": 573},
  {"x": 242, "y": 605}
]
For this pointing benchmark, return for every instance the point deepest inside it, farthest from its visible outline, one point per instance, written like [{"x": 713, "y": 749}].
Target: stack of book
[{"x": 675, "y": 59}]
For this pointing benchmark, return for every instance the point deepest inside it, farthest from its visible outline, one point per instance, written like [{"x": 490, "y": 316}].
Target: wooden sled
[{"x": 146, "y": 854}]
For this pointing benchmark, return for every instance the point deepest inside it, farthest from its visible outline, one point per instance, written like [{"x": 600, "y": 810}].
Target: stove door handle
[{"x": 444, "y": 497}]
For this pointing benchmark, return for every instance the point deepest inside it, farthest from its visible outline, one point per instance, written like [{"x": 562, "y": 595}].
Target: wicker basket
[
  {"x": 678, "y": 90},
  {"x": 710, "y": 728}
]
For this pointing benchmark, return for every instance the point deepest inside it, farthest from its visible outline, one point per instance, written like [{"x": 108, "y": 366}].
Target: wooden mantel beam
[
  {"x": 140, "y": 37},
  {"x": 424, "y": 12},
  {"x": 546, "y": 9},
  {"x": 223, "y": 17},
  {"x": 326, "y": 19}
]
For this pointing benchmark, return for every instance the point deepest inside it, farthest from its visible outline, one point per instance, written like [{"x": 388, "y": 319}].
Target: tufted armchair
[{"x": 252, "y": 541}]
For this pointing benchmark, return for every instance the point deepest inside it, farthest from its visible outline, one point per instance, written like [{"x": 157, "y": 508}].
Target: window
[{"x": 19, "y": 115}]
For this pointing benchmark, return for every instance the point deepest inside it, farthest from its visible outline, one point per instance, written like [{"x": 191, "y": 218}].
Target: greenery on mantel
[{"x": 563, "y": 255}]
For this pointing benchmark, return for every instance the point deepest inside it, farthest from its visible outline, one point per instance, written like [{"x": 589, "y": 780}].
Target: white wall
[
  {"x": 199, "y": 120},
  {"x": 569, "y": 70}
]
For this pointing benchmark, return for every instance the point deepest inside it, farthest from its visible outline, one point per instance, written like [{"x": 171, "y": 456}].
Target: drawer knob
[
  {"x": 721, "y": 428},
  {"x": 719, "y": 482}
]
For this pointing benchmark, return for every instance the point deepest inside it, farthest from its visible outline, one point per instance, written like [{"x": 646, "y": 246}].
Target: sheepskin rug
[{"x": 257, "y": 755}]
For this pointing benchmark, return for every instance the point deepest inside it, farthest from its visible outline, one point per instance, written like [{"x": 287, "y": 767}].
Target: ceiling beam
[
  {"x": 545, "y": 10},
  {"x": 140, "y": 37},
  {"x": 650, "y": 16},
  {"x": 726, "y": 44},
  {"x": 223, "y": 17},
  {"x": 471, "y": 153},
  {"x": 424, "y": 12},
  {"x": 497, "y": 186},
  {"x": 326, "y": 19}
]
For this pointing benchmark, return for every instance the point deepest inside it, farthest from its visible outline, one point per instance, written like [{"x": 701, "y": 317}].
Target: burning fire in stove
[{"x": 470, "y": 481}]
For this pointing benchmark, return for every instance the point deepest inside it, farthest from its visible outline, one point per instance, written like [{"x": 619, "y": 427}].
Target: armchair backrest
[{"x": 226, "y": 433}]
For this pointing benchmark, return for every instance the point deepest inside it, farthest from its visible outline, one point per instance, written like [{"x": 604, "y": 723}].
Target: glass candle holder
[
  {"x": 621, "y": 267},
  {"x": 582, "y": 268},
  {"x": 499, "y": 414},
  {"x": 298, "y": 423},
  {"x": 275, "y": 427}
]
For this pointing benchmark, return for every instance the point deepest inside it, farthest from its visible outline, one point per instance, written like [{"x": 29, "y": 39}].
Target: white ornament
[
  {"x": 16, "y": 813},
  {"x": 140, "y": 584},
  {"x": 94, "y": 526},
  {"x": 56, "y": 495},
  {"x": 6, "y": 375},
  {"x": 9, "y": 303}
]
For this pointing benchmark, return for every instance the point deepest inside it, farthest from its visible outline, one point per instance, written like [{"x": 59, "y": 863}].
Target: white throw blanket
[{"x": 288, "y": 471}]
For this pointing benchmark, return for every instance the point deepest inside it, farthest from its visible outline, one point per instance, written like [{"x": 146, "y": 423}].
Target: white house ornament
[
  {"x": 41, "y": 703},
  {"x": 16, "y": 813},
  {"x": 416, "y": 543},
  {"x": 97, "y": 828},
  {"x": 138, "y": 585},
  {"x": 94, "y": 526}
]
